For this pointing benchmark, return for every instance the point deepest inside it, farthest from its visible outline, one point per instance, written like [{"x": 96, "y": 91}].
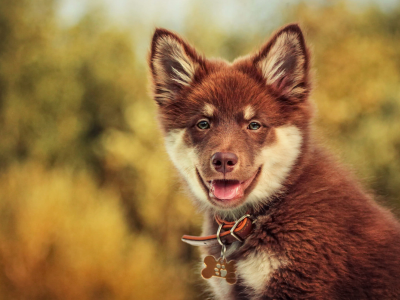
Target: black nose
[{"x": 224, "y": 162}]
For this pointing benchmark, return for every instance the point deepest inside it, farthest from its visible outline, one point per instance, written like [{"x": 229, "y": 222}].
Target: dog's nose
[{"x": 224, "y": 162}]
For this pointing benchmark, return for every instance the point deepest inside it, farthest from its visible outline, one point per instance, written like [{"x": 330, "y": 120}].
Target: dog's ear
[
  {"x": 284, "y": 64},
  {"x": 173, "y": 65}
]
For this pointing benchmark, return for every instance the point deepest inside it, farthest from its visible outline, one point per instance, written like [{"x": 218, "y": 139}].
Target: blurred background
[{"x": 90, "y": 206}]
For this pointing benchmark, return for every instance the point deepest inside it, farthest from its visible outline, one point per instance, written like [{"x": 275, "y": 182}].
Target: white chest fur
[{"x": 256, "y": 270}]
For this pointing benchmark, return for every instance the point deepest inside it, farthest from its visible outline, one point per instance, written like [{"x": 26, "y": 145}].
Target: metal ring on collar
[
  {"x": 223, "y": 246},
  {"x": 218, "y": 233},
  {"x": 234, "y": 227}
]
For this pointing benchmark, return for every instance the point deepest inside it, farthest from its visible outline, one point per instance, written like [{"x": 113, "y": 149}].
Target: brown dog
[{"x": 239, "y": 134}]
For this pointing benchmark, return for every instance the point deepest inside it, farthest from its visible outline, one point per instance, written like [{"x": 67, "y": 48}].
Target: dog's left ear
[
  {"x": 173, "y": 64},
  {"x": 284, "y": 64}
]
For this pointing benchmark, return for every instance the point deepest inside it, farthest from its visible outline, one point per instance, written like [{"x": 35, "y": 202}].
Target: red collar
[{"x": 230, "y": 232}]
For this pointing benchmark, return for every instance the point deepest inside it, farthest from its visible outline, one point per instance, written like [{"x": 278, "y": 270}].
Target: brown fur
[{"x": 334, "y": 240}]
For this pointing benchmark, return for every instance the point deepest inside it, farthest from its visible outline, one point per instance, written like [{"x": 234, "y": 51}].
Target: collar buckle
[{"x": 232, "y": 231}]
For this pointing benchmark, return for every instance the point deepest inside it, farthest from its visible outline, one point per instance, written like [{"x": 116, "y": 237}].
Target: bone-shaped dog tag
[{"x": 219, "y": 268}]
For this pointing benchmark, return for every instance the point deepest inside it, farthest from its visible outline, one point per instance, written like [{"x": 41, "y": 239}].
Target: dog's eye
[
  {"x": 203, "y": 124},
  {"x": 254, "y": 126}
]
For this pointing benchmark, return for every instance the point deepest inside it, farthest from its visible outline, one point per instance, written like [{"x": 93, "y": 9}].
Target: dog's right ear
[
  {"x": 284, "y": 64},
  {"x": 173, "y": 65}
]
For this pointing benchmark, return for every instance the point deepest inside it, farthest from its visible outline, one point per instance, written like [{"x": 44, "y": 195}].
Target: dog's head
[{"x": 235, "y": 131}]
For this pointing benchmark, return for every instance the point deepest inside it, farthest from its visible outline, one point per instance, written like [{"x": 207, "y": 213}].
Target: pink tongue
[{"x": 226, "y": 189}]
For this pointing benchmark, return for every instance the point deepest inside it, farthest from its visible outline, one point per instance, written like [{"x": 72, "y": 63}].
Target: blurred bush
[
  {"x": 89, "y": 206},
  {"x": 63, "y": 237}
]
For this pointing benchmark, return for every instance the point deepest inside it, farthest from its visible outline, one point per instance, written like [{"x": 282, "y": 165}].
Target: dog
[{"x": 240, "y": 134}]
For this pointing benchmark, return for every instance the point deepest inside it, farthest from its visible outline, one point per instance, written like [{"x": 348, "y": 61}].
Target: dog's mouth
[{"x": 228, "y": 193}]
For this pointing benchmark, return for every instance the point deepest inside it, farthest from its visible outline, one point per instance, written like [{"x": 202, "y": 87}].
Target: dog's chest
[
  {"x": 254, "y": 268},
  {"x": 253, "y": 272},
  {"x": 257, "y": 269}
]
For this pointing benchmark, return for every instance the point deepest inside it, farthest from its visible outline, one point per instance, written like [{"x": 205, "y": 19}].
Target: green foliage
[{"x": 89, "y": 206}]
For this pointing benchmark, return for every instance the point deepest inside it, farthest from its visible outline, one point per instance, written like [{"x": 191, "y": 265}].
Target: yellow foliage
[{"x": 64, "y": 238}]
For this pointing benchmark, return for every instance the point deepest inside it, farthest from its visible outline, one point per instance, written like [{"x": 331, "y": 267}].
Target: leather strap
[{"x": 242, "y": 231}]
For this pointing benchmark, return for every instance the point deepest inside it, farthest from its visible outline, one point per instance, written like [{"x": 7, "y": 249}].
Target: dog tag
[{"x": 219, "y": 268}]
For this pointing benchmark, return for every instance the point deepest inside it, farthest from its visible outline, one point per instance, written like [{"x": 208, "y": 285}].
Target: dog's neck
[{"x": 254, "y": 212}]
